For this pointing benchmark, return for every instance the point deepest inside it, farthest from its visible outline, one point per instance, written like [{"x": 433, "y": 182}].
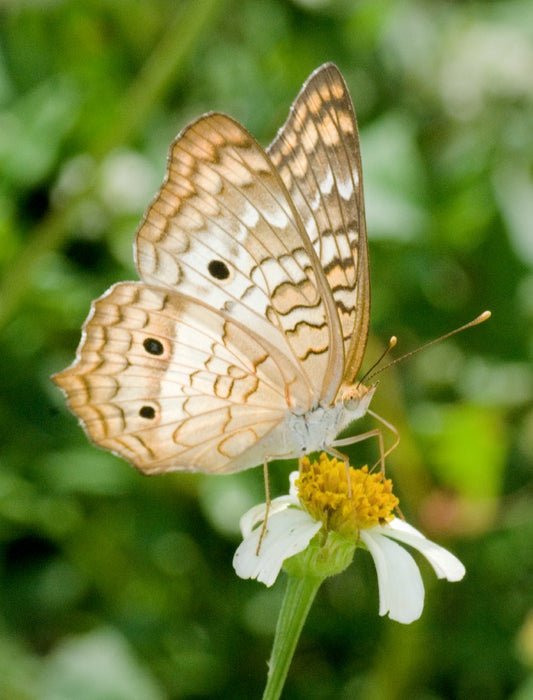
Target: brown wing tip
[
  {"x": 59, "y": 378},
  {"x": 63, "y": 379},
  {"x": 328, "y": 67}
]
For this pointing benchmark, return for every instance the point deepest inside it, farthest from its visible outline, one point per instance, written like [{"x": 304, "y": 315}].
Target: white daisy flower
[{"x": 323, "y": 521}]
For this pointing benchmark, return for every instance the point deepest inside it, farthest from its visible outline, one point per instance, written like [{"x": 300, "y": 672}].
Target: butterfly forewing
[
  {"x": 318, "y": 157},
  {"x": 170, "y": 383},
  {"x": 223, "y": 229}
]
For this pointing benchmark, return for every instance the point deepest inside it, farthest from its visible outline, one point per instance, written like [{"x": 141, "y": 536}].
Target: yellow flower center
[{"x": 324, "y": 493}]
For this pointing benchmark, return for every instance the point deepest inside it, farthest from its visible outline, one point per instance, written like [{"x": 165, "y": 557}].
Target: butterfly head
[{"x": 356, "y": 398}]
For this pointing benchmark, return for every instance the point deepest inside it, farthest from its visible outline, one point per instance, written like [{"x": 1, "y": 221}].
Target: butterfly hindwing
[{"x": 170, "y": 383}]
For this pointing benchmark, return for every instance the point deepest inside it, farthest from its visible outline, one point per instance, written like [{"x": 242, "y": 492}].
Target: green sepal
[{"x": 322, "y": 559}]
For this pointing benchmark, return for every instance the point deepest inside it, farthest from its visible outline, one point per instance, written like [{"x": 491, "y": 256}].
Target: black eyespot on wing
[
  {"x": 218, "y": 269},
  {"x": 147, "y": 412},
  {"x": 153, "y": 346}
]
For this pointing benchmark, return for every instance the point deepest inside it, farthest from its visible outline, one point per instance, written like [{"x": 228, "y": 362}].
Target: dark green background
[{"x": 116, "y": 586}]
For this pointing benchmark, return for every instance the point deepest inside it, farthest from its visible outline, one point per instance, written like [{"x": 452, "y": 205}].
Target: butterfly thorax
[{"x": 317, "y": 429}]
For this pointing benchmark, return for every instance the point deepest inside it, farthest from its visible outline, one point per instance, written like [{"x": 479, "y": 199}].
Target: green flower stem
[{"x": 297, "y": 602}]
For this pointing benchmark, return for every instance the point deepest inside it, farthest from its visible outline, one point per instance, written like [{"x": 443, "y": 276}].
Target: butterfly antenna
[
  {"x": 475, "y": 322},
  {"x": 392, "y": 342}
]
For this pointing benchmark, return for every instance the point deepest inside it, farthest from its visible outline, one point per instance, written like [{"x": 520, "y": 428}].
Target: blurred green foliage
[{"x": 118, "y": 586}]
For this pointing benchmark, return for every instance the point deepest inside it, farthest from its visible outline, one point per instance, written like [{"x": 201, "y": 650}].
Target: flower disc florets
[{"x": 324, "y": 492}]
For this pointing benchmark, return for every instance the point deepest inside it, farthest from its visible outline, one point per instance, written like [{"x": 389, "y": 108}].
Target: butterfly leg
[
  {"x": 375, "y": 432},
  {"x": 344, "y": 458},
  {"x": 393, "y": 430},
  {"x": 268, "y": 501}
]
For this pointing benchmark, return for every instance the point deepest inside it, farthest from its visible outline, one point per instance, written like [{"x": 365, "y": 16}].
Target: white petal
[
  {"x": 257, "y": 514},
  {"x": 444, "y": 563},
  {"x": 288, "y": 532},
  {"x": 401, "y": 591},
  {"x": 293, "y": 490}
]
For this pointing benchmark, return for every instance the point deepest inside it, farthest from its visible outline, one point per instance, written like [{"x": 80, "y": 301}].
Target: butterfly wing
[
  {"x": 224, "y": 229},
  {"x": 171, "y": 384},
  {"x": 254, "y": 301},
  {"x": 318, "y": 156}
]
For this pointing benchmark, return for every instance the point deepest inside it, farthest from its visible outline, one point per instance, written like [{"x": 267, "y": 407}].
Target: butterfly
[{"x": 243, "y": 340}]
